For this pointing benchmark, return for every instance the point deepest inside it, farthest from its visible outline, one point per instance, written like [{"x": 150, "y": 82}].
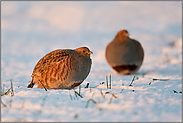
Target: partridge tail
[{"x": 31, "y": 84}]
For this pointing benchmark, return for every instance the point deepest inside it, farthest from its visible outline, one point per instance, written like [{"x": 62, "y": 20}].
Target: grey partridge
[
  {"x": 124, "y": 55},
  {"x": 62, "y": 69}
]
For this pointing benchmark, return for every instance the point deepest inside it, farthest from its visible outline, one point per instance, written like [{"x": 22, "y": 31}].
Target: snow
[{"x": 32, "y": 29}]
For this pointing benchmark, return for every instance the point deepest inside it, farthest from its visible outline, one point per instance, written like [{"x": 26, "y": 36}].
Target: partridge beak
[
  {"x": 127, "y": 34},
  {"x": 90, "y": 52}
]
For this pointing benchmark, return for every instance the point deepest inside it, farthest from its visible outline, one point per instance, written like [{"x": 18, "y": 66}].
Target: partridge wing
[{"x": 52, "y": 61}]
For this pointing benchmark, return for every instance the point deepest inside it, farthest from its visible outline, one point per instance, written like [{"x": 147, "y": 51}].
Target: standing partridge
[
  {"x": 125, "y": 55},
  {"x": 62, "y": 69}
]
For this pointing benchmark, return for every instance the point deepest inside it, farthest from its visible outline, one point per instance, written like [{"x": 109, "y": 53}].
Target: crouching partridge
[
  {"x": 62, "y": 69},
  {"x": 124, "y": 55}
]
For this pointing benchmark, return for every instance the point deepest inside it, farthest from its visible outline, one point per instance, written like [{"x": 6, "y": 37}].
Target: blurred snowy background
[{"x": 29, "y": 30}]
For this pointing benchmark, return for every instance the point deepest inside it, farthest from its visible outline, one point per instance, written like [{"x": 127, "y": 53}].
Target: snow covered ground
[{"x": 29, "y": 30}]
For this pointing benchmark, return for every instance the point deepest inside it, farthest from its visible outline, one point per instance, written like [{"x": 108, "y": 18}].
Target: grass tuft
[
  {"x": 102, "y": 93},
  {"x": 90, "y": 100},
  {"x": 6, "y": 93},
  {"x": 23, "y": 104},
  {"x": 121, "y": 90},
  {"x": 76, "y": 93},
  {"x": 12, "y": 92},
  {"x": 161, "y": 79},
  {"x": 132, "y": 81},
  {"x": 167, "y": 59},
  {"x": 79, "y": 89},
  {"x": 93, "y": 93},
  {"x": 3, "y": 104},
  {"x": 75, "y": 116},
  {"x": 102, "y": 83},
  {"x": 109, "y": 85},
  {"x": 9, "y": 91},
  {"x": 150, "y": 83},
  {"x": 175, "y": 91},
  {"x": 87, "y": 85},
  {"x": 158, "y": 80},
  {"x": 112, "y": 98},
  {"x": 70, "y": 94},
  {"x": 107, "y": 81},
  {"x": 43, "y": 85},
  {"x": 90, "y": 90},
  {"x": 110, "y": 81}
]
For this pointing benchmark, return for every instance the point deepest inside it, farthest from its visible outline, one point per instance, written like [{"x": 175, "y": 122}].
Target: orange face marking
[
  {"x": 84, "y": 51},
  {"x": 123, "y": 32},
  {"x": 122, "y": 35}
]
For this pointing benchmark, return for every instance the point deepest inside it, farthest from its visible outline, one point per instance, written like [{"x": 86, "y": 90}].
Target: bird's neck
[{"x": 123, "y": 39}]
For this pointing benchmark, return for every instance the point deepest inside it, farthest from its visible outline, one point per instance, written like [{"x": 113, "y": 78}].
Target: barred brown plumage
[{"x": 62, "y": 69}]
